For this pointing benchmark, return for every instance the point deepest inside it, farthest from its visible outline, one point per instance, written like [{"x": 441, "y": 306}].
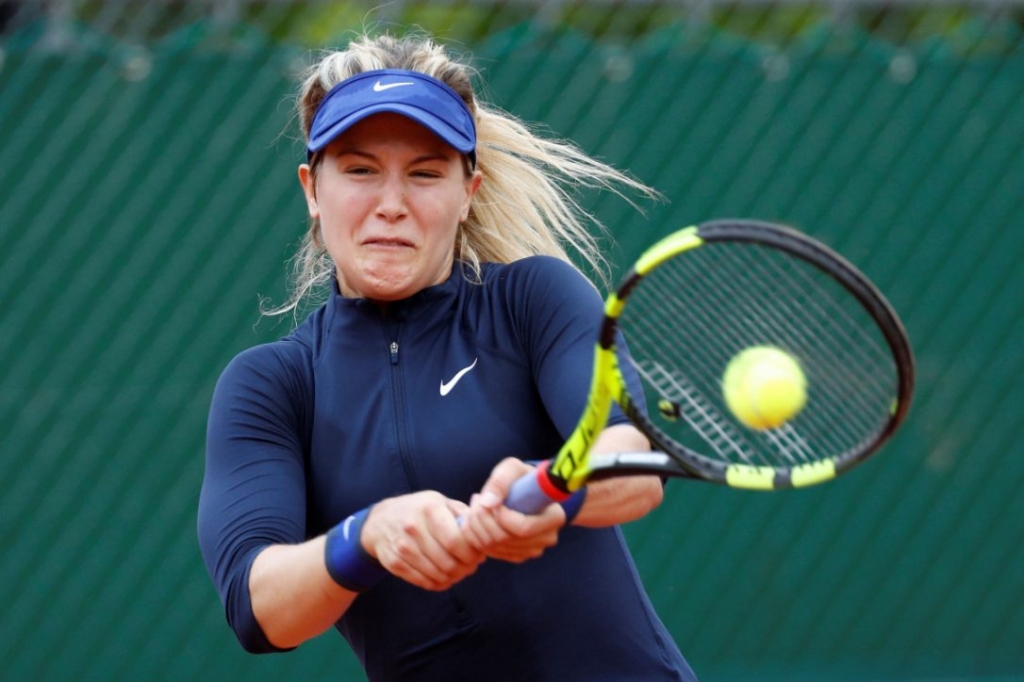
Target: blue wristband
[
  {"x": 348, "y": 563},
  {"x": 573, "y": 504}
]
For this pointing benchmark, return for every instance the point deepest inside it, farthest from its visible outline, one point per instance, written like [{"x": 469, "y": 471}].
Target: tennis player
[{"x": 355, "y": 469}]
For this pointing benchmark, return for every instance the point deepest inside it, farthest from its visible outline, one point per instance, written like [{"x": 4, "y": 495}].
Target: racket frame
[{"x": 573, "y": 466}]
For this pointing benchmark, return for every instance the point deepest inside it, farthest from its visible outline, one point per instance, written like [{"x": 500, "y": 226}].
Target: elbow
[
  {"x": 652, "y": 495},
  {"x": 657, "y": 493},
  {"x": 621, "y": 500},
  {"x": 639, "y": 497},
  {"x": 241, "y": 617},
  {"x": 251, "y": 636},
  {"x": 258, "y": 645},
  {"x": 253, "y": 644}
]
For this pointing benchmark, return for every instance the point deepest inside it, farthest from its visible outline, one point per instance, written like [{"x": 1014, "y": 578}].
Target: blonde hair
[{"x": 524, "y": 206}]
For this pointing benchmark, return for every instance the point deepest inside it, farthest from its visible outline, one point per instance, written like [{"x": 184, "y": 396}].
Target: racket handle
[
  {"x": 529, "y": 494},
  {"x": 526, "y": 494}
]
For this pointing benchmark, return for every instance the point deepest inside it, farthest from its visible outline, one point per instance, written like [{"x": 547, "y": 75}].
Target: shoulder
[
  {"x": 270, "y": 359},
  {"x": 543, "y": 299},
  {"x": 539, "y": 276},
  {"x": 266, "y": 389},
  {"x": 533, "y": 267},
  {"x": 291, "y": 354},
  {"x": 280, "y": 369}
]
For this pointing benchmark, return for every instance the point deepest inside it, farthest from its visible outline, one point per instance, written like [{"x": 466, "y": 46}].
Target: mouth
[{"x": 387, "y": 243}]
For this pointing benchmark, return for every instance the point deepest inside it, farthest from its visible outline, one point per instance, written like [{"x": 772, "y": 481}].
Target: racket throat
[{"x": 553, "y": 487}]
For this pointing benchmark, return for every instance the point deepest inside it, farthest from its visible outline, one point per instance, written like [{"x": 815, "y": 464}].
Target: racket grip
[{"x": 528, "y": 494}]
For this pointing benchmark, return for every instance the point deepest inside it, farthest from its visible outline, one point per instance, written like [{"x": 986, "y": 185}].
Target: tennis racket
[{"x": 691, "y": 303}]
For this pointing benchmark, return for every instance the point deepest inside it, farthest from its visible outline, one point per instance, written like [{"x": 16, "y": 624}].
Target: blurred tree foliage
[{"x": 959, "y": 26}]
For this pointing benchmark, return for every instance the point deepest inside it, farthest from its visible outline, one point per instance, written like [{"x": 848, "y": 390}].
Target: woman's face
[{"x": 389, "y": 195}]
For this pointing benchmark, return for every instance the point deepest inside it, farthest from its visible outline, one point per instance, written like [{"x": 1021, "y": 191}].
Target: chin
[
  {"x": 388, "y": 290},
  {"x": 389, "y": 283}
]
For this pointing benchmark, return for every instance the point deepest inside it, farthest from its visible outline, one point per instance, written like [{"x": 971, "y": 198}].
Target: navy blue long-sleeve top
[{"x": 350, "y": 409}]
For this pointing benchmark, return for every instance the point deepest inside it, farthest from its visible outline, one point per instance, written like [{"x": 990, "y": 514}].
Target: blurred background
[{"x": 148, "y": 202}]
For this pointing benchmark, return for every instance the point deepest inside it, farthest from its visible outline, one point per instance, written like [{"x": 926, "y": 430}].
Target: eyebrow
[{"x": 432, "y": 156}]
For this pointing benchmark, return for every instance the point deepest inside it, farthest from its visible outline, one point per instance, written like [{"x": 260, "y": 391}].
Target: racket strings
[
  {"x": 796, "y": 310},
  {"x": 704, "y": 418},
  {"x": 805, "y": 303},
  {"x": 693, "y": 313},
  {"x": 692, "y": 406},
  {"x": 870, "y": 349},
  {"x": 710, "y": 421}
]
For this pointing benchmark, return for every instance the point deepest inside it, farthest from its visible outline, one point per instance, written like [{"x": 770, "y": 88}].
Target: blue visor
[{"x": 415, "y": 95}]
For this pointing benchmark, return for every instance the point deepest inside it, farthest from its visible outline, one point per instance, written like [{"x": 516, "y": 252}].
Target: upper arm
[
  {"x": 560, "y": 315},
  {"x": 253, "y": 492}
]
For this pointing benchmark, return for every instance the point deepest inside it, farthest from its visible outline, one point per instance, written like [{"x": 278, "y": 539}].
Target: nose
[{"x": 391, "y": 205}]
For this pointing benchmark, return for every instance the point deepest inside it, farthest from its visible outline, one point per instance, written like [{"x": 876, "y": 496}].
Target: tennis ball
[{"x": 764, "y": 387}]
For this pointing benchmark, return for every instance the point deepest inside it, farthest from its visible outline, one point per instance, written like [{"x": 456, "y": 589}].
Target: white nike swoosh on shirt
[
  {"x": 381, "y": 87},
  {"x": 446, "y": 388},
  {"x": 348, "y": 524}
]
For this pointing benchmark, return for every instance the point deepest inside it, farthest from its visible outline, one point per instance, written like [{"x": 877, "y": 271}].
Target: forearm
[
  {"x": 620, "y": 500},
  {"x": 293, "y": 597}
]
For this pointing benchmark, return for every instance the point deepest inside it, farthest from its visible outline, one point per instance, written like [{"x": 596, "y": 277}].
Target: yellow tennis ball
[{"x": 764, "y": 387}]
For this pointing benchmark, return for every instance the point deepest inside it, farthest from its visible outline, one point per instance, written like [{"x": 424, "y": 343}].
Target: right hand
[
  {"x": 503, "y": 533},
  {"x": 417, "y": 538}
]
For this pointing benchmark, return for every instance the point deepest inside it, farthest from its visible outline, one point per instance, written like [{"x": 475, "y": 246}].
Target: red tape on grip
[{"x": 549, "y": 488}]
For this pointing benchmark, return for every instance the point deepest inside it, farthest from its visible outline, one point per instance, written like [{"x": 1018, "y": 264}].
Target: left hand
[
  {"x": 505, "y": 534},
  {"x": 417, "y": 538}
]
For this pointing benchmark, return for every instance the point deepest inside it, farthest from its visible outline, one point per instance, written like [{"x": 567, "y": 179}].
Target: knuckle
[{"x": 405, "y": 549}]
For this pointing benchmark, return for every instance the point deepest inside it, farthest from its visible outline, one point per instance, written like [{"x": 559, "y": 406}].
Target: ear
[
  {"x": 472, "y": 186},
  {"x": 308, "y": 183}
]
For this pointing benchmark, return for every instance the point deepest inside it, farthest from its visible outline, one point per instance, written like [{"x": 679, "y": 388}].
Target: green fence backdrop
[{"x": 148, "y": 199}]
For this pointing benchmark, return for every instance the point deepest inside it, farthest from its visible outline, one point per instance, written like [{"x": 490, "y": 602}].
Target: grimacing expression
[{"x": 389, "y": 195}]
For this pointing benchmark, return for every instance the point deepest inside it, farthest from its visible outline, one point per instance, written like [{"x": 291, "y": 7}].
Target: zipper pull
[{"x": 394, "y": 352}]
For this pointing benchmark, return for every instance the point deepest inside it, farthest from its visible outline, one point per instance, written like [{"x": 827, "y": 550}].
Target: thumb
[
  {"x": 495, "y": 490},
  {"x": 490, "y": 499}
]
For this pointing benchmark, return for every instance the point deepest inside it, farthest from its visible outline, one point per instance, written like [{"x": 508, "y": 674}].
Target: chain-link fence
[{"x": 148, "y": 199}]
